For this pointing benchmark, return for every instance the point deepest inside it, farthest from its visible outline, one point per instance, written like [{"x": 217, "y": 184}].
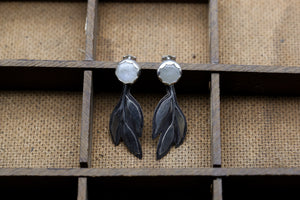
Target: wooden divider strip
[
  {"x": 208, "y": 67},
  {"x": 217, "y": 189},
  {"x": 91, "y": 30},
  {"x": 98, "y": 172},
  {"x": 87, "y": 103},
  {"x": 214, "y": 85},
  {"x": 215, "y": 120},
  {"x": 82, "y": 189},
  {"x": 87, "y": 115},
  {"x": 213, "y": 31}
]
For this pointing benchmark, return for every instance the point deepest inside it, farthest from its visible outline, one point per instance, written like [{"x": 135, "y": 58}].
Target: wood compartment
[
  {"x": 40, "y": 128},
  {"x": 259, "y": 32},
  {"x": 193, "y": 153},
  {"x": 164, "y": 28},
  {"x": 42, "y": 30},
  {"x": 259, "y": 121}
]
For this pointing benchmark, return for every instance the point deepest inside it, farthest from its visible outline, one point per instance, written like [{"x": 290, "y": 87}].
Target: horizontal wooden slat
[
  {"x": 97, "y": 172},
  {"x": 151, "y": 65}
]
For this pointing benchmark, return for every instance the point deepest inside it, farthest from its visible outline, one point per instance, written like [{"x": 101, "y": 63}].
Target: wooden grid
[{"x": 216, "y": 70}]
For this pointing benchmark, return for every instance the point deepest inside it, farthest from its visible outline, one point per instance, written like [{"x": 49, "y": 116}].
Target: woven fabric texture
[
  {"x": 42, "y": 128},
  {"x": 150, "y": 30},
  {"x": 194, "y": 152},
  {"x": 39, "y": 129},
  {"x": 260, "y": 131},
  {"x": 259, "y": 32},
  {"x": 42, "y": 30}
]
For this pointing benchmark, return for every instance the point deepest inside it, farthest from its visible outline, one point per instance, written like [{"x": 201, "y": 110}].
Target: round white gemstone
[
  {"x": 127, "y": 71},
  {"x": 169, "y": 72}
]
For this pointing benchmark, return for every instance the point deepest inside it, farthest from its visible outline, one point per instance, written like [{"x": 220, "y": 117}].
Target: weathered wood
[
  {"x": 97, "y": 172},
  {"x": 214, "y": 85},
  {"x": 86, "y": 65},
  {"x": 82, "y": 193},
  {"x": 215, "y": 120},
  {"x": 213, "y": 31},
  {"x": 87, "y": 102},
  {"x": 91, "y": 30},
  {"x": 217, "y": 189},
  {"x": 87, "y": 120}
]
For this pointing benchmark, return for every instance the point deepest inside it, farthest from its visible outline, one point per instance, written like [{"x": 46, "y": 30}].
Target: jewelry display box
[{"x": 239, "y": 92}]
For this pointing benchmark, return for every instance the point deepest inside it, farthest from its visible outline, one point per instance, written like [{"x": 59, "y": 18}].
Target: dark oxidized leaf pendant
[
  {"x": 168, "y": 121},
  {"x": 126, "y": 120}
]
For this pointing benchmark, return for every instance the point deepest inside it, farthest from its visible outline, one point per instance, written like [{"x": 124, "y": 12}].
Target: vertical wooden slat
[
  {"x": 87, "y": 101},
  {"x": 87, "y": 98},
  {"x": 217, "y": 189},
  {"x": 87, "y": 115},
  {"x": 214, "y": 85},
  {"x": 215, "y": 120},
  {"x": 82, "y": 189},
  {"x": 213, "y": 31},
  {"x": 91, "y": 29}
]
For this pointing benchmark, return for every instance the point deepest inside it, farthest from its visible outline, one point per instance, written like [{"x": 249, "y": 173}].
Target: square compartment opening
[
  {"x": 260, "y": 131},
  {"x": 259, "y": 32},
  {"x": 195, "y": 150},
  {"x": 259, "y": 120},
  {"x": 42, "y": 30},
  {"x": 150, "y": 30},
  {"x": 40, "y": 128}
]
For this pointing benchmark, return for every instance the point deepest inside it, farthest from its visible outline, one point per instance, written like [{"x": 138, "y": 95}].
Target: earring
[
  {"x": 168, "y": 121},
  {"x": 126, "y": 120}
]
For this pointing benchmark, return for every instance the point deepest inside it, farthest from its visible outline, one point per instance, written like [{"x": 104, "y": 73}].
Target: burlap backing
[
  {"x": 42, "y": 30},
  {"x": 150, "y": 30},
  {"x": 260, "y": 131},
  {"x": 39, "y": 129},
  {"x": 194, "y": 152},
  {"x": 259, "y": 32},
  {"x": 42, "y": 129}
]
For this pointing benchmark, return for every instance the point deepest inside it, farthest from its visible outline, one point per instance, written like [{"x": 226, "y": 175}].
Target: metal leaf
[
  {"x": 165, "y": 142},
  {"x": 114, "y": 123},
  {"x": 169, "y": 122},
  {"x": 180, "y": 126},
  {"x": 126, "y": 122},
  {"x": 131, "y": 141},
  {"x": 134, "y": 116},
  {"x": 162, "y": 116}
]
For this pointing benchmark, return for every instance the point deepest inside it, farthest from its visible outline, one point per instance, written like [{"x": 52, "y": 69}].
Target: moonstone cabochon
[
  {"x": 169, "y": 72},
  {"x": 127, "y": 71}
]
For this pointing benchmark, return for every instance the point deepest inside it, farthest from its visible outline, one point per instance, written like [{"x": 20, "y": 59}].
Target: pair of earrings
[{"x": 126, "y": 121}]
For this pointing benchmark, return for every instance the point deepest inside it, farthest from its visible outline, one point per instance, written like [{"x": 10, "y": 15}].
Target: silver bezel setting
[
  {"x": 128, "y": 71},
  {"x": 169, "y": 72}
]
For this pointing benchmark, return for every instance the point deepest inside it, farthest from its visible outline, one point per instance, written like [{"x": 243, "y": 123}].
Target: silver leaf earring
[
  {"x": 168, "y": 121},
  {"x": 126, "y": 120}
]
